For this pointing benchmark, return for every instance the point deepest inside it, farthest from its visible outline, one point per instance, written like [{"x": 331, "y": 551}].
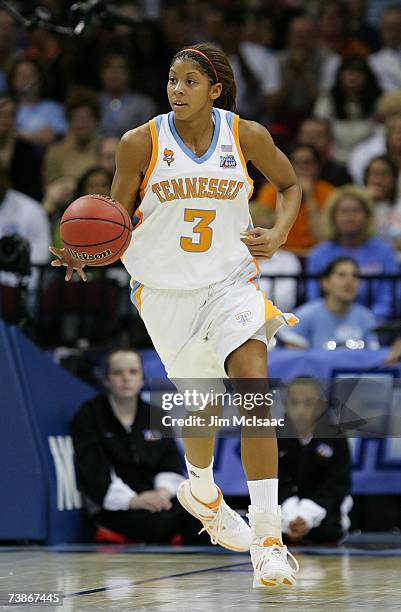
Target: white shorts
[{"x": 194, "y": 331}]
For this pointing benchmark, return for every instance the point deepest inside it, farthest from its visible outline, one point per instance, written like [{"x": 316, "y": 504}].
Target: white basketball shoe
[
  {"x": 273, "y": 564},
  {"x": 224, "y": 526}
]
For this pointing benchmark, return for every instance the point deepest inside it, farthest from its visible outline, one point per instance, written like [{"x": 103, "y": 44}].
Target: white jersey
[{"x": 193, "y": 209}]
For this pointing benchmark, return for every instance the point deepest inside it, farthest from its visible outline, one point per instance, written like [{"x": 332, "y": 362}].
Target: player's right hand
[{"x": 71, "y": 263}]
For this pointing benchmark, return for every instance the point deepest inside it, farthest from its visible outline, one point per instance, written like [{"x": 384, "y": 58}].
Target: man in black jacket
[
  {"x": 314, "y": 468},
  {"x": 129, "y": 470}
]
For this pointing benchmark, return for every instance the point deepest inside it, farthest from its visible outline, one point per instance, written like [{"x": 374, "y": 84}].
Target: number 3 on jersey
[{"x": 202, "y": 228}]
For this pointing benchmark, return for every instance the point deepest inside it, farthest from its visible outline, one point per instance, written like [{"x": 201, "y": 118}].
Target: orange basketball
[{"x": 96, "y": 229}]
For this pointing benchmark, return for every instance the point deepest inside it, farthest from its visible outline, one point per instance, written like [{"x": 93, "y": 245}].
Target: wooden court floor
[{"x": 121, "y": 578}]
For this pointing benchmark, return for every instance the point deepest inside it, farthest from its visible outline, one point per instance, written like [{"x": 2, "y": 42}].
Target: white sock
[
  {"x": 264, "y": 494},
  {"x": 202, "y": 482}
]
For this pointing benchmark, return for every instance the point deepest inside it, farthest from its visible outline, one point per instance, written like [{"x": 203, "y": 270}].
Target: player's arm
[
  {"x": 258, "y": 147},
  {"x": 132, "y": 159}
]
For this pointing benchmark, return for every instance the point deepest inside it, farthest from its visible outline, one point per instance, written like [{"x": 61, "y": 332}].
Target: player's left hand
[
  {"x": 71, "y": 263},
  {"x": 262, "y": 242}
]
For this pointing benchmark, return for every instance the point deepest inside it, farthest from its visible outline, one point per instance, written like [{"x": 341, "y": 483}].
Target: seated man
[
  {"x": 314, "y": 468},
  {"x": 129, "y": 471}
]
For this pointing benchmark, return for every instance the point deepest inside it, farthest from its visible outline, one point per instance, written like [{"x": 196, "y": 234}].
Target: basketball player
[{"x": 193, "y": 267}]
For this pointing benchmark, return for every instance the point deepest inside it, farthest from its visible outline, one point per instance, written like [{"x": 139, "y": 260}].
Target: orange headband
[{"x": 206, "y": 58}]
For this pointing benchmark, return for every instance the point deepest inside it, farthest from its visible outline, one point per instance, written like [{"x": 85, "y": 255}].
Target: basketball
[{"x": 96, "y": 229}]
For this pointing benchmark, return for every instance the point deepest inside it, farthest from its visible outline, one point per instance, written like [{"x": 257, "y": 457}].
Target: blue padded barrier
[
  {"x": 52, "y": 396},
  {"x": 22, "y": 484}
]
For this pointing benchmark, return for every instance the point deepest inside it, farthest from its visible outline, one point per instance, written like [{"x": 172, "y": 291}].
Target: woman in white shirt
[
  {"x": 381, "y": 176},
  {"x": 350, "y": 105}
]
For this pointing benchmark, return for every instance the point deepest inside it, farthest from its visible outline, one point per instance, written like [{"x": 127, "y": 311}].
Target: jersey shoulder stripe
[
  {"x": 235, "y": 130},
  {"x": 153, "y": 158},
  {"x": 162, "y": 129}
]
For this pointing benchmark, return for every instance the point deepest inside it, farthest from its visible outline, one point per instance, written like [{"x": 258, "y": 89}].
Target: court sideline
[{"x": 131, "y": 577}]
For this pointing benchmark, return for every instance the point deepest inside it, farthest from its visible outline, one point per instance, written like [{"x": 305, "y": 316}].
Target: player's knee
[{"x": 247, "y": 361}]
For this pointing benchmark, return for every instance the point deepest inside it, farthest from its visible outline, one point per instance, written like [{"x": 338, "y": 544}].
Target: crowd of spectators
[{"x": 323, "y": 76}]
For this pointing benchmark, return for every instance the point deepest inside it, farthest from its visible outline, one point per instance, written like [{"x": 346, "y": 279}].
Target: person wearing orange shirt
[{"x": 305, "y": 232}]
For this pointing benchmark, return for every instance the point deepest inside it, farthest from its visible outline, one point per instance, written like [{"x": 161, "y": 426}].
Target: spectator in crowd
[
  {"x": 317, "y": 132},
  {"x": 107, "y": 153},
  {"x": 20, "y": 214},
  {"x": 128, "y": 465},
  {"x": 58, "y": 195},
  {"x": 306, "y": 70},
  {"x": 386, "y": 62},
  {"x": 18, "y": 156},
  {"x": 385, "y": 137},
  {"x": 8, "y": 47},
  {"x": 258, "y": 28},
  {"x": 335, "y": 26},
  {"x": 39, "y": 120},
  {"x": 78, "y": 150},
  {"x": 350, "y": 232},
  {"x": 361, "y": 28},
  {"x": 95, "y": 180},
  {"x": 335, "y": 320},
  {"x": 211, "y": 23},
  {"x": 150, "y": 50},
  {"x": 381, "y": 176},
  {"x": 42, "y": 45},
  {"x": 134, "y": 11},
  {"x": 98, "y": 181},
  {"x": 394, "y": 145},
  {"x": 48, "y": 49},
  {"x": 306, "y": 230},
  {"x": 122, "y": 108},
  {"x": 349, "y": 105},
  {"x": 62, "y": 191},
  {"x": 281, "y": 291},
  {"x": 314, "y": 468},
  {"x": 176, "y": 26},
  {"x": 255, "y": 68}
]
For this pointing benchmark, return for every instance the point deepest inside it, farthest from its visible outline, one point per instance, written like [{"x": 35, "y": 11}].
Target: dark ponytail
[{"x": 215, "y": 64}]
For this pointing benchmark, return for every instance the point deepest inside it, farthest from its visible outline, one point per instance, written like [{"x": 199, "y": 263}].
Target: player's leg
[
  {"x": 200, "y": 496},
  {"x": 273, "y": 564},
  {"x": 199, "y": 447},
  {"x": 177, "y": 351},
  {"x": 186, "y": 356},
  {"x": 259, "y": 452}
]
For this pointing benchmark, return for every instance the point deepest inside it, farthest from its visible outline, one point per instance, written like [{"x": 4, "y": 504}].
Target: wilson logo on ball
[
  {"x": 89, "y": 257},
  {"x": 96, "y": 230}
]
